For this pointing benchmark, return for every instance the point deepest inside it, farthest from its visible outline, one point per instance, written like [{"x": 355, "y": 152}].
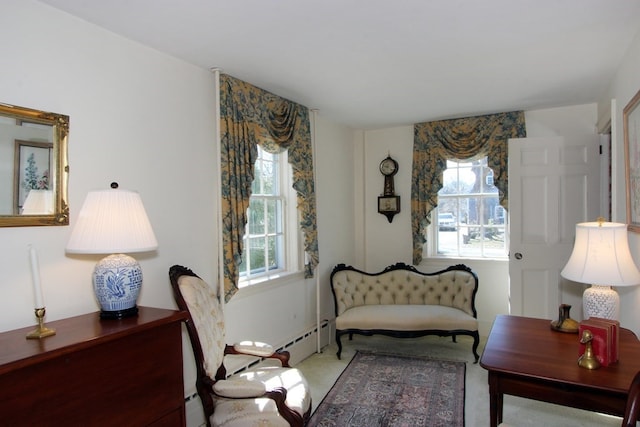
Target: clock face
[{"x": 388, "y": 166}]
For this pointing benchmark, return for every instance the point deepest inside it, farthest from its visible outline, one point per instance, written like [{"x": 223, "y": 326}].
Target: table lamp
[
  {"x": 114, "y": 222},
  {"x": 601, "y": 258}
]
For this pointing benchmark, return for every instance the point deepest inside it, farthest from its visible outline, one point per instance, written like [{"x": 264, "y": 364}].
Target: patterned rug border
[{"x": 407, "y": 356}]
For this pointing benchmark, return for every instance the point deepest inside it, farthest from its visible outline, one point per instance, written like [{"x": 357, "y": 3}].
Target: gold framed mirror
[{"x": 34, "y": 169}]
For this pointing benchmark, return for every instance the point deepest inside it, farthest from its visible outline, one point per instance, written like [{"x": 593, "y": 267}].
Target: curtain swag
[
  {"x": 250, "y": 116},
  {"x": 462, "y": 139}
]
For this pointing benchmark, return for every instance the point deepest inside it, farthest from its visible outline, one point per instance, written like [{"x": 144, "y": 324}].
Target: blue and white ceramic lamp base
[{"x": 117, "y": 280}]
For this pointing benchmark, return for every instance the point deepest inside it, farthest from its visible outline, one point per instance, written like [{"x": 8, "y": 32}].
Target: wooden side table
[
  {"x": 525, "y": 357},
  {"x": 95, "y": 372}
]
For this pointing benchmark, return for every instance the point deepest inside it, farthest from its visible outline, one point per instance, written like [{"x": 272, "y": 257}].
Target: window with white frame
[
  {"x": 270, "y": 239},
  {"x": 469, "y": 221}
]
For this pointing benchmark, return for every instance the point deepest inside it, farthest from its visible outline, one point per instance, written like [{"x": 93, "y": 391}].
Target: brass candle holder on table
[{"x": 41, "y": 331}]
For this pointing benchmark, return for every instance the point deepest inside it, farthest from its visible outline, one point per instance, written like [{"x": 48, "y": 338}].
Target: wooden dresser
[{"x": 95, "y": 372}]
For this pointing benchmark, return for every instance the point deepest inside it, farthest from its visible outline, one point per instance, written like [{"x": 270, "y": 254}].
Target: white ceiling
[{"x": 381, "y": 63}]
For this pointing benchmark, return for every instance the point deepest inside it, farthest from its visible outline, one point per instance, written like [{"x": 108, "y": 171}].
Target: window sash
[
  {"x": 469, "y": 195},
  {"x": 270, "y": 242}
]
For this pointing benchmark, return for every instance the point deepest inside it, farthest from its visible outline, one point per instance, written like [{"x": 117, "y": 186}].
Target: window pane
[
  {"x": 256, "y": 254},
  {"x": 266, "y": 155},
  {"x": 448, "y": 242},
  {"x": 272, "y": 215},
  {"x": 495, "y": 242},
  {"x": 474, "y": 208},
  {"x": 489, "y": 209},
  {"x": 269, "y": 180},
  {"x": 242, "y": 267},
  {"x": 271, "y": 249},
  {"x": 256, "y": 216},
  {"x": 499, "y": 214},
  {"x": 448, "y": 214},
  {"x": 449, "y": 182},
  {"x": 468, "y": 179},
  {"x": 489, "y": 186},
  {"x": 256, "y": 185},
  {"x": 469, "y": 246}
]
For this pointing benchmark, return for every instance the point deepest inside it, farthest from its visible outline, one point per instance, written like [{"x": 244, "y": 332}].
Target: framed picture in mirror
[{"x": 32, "y": 168}]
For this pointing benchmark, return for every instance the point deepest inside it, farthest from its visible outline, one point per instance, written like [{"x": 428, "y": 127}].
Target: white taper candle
[{"x": 35, "y": 275}]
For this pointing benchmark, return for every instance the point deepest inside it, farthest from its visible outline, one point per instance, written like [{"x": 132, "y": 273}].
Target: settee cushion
[{"x": 406, "y": 318}]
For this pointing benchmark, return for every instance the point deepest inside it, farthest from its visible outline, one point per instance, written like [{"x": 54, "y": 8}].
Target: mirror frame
[{"x": 60, "y": 125}]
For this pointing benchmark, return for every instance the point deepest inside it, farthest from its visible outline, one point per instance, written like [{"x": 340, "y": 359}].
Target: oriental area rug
[{"x": 392, "y": 390}]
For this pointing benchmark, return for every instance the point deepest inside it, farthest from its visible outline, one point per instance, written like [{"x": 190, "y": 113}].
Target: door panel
[{"x": 553, "y": 184}]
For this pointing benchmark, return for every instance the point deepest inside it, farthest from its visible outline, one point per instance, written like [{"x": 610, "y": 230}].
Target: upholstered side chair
[{"x": 270, "y": 394}]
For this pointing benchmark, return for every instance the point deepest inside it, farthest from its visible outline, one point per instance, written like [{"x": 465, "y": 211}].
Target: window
[
  {"x": 270, "y": 241},
  {"x": 470, "y": 221}
]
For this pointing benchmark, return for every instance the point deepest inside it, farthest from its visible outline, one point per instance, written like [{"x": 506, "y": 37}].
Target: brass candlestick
[{"x": 41, "y": 331}]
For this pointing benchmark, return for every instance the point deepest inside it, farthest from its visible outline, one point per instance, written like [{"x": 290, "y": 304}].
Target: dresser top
[{"x": 76, "y": 333}]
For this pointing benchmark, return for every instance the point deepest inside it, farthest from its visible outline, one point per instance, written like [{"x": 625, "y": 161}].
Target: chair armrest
[
  {"x": 258, "y": 349},
  {"x": 254, "y": 348},
  {"x": 239, "y": 388}
]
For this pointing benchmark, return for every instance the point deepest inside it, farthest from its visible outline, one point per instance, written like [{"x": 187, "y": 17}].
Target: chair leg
[{"x": 339, "y": 343}]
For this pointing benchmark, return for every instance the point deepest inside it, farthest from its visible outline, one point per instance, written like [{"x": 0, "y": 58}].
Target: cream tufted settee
[{"x": 402, "y": 302}]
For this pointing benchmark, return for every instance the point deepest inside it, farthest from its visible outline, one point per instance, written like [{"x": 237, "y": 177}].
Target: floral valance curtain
[
  {"x": 462, "y": 139},
  {"x": 250, "y": 116}
]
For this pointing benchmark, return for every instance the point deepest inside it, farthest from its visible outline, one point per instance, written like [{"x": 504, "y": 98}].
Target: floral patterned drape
[
  {"x": 250, "y": 116},
  {"x": 463, "y": 139}
]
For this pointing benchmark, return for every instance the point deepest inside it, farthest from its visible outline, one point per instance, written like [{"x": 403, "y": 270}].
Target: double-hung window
[
  {"x": 270, "y": 239},
  {"x": 469, "y": 221}
]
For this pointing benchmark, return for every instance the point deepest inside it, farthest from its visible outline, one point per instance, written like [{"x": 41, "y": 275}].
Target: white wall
[
  {"x": 623, "y": 87},
  {"x": 137, "y": 117},
  {"x": 145, "y": 119},
  {"x": 383, "y": 244}
]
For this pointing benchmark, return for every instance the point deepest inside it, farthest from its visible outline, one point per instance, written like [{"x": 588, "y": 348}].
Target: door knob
[{"x": 518, "y": 255}]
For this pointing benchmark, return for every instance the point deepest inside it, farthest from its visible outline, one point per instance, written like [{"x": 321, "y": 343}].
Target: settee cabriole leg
[
  {"x": 476, "y": 342},
  {"x": 453, "y": 338},
  {"x": 339, "y": 345}
]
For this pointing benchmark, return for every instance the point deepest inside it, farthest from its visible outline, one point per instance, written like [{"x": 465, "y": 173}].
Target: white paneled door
[{"x": 553, "y": 184}]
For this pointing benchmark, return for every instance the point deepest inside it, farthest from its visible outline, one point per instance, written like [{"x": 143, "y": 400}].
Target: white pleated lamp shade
[
  {"x": 601, "y": 256},
  {"x": 112, "y": 221}
]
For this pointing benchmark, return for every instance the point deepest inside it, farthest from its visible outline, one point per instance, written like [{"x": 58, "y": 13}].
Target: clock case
[{"x": 388, "y": 202}]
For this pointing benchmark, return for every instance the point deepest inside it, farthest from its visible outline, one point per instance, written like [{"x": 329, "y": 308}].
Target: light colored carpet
[{"x": 322, "y": 370}]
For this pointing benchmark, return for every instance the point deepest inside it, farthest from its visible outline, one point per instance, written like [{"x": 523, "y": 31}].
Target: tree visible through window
[{"x": 469, "y": 221}]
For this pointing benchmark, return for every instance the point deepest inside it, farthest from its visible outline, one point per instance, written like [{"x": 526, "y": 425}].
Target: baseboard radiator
[{"x": 300, "y": 347}]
